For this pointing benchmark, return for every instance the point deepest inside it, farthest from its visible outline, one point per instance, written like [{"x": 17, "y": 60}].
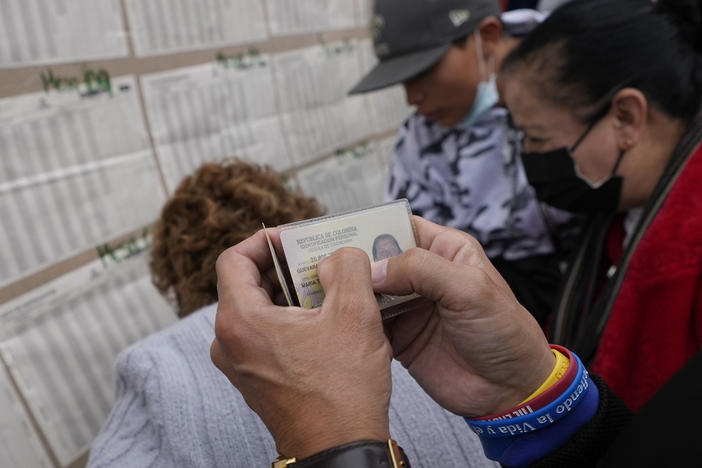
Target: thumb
[{"x": 450, "y": 285}]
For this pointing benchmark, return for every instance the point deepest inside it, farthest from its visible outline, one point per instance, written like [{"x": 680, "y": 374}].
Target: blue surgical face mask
[{"x": 486, "y": 95}]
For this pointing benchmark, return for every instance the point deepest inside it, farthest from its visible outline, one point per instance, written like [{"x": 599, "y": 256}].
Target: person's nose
[{"x": 413, "y": 93}]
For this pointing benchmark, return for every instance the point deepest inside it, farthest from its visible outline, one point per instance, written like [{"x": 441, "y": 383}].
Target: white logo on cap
[
  {"x": 458, "y": 17},
  {"x": 377, "y": 25},
  {"x": 382, "y": 50}
]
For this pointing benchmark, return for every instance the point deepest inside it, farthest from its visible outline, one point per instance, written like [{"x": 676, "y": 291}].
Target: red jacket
[{"x": 655, "y": 324}]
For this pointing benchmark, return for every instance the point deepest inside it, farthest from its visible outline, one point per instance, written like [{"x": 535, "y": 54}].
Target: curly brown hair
[{"x": 216, "y": 207}]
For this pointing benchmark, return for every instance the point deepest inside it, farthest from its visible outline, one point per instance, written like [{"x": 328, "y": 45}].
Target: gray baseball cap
[{"x": 409, "y": 36}]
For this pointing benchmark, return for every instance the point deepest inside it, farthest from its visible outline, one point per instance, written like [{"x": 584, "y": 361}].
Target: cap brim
[{"x": 398, "y": 69}]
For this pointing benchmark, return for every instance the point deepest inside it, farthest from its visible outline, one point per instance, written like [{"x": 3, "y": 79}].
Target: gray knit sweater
[{"x": 173, "y": 408}]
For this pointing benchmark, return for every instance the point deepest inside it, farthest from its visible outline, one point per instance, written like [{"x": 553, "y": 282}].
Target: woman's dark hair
[{"x": 589, "y": 49}]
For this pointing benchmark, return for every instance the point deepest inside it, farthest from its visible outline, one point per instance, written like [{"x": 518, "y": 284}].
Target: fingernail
[{"x": 379, "y": 270}]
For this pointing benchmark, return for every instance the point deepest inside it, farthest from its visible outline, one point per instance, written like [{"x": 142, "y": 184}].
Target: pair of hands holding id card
[{"x": 319, "y": 376}]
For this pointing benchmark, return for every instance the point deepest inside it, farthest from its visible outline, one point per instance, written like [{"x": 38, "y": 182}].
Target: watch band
[{"x": 363, "y": 454}]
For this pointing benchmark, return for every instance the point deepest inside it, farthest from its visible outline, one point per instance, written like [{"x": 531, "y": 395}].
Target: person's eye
[
  {"x": 532, "y": 143},
  {"x": 534, "y": 140}
]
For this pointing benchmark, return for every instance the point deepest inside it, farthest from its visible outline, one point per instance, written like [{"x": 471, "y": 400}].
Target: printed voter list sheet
[
  {"x": 388, "y": 106},
  {"x": 304, "y": 16},
  {"x": 209, "y": 112},
  {"x": 162, "y": 27},
  {"x": 318, "y": 115},
  {"x": 73, "y": 164},
  {"x": 36, "y": 32},
  {"x": 348, "y": 181},
  {"x": 19, "y": 443},
  {"x": 60, "y": 342}
]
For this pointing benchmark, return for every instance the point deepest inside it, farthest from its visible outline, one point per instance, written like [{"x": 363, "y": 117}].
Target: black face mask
[{"x": 555, "y": 179}]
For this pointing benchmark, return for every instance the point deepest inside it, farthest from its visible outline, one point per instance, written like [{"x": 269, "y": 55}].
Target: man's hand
[
  {"x": 472, "y": 346},
  {"x": 317, "y": 377}
]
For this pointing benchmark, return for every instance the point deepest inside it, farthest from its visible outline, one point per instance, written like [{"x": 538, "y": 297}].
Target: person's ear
[
  {"x": 490, "y": 32},
  {"x": 630, "y": 109}
]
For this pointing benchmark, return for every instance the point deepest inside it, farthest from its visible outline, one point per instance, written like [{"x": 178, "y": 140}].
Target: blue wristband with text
[
  {"x": 540, "y": 418},
  {"x": 525, "y": 450}
]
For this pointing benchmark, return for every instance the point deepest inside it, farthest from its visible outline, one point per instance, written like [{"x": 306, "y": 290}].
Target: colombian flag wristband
[
  {"x": 521, "y": 440},
  {"x": 558, "y": 371},
  {"x": 550, "y": 394}
]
